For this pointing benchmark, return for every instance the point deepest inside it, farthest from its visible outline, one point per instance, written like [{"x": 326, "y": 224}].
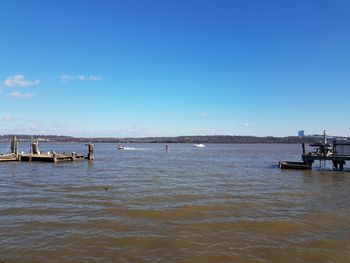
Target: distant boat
[
  {"x": 122, "y": 147},
  {"x": 199, "y": 145}
]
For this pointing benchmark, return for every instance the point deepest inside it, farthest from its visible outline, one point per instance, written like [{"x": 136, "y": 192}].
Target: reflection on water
[{"x": 223, "y": 203}]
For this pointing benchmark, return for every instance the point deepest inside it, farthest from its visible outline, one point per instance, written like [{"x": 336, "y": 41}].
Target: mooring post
[
  {"x": 35, "y": 147},
  {"x": 303, "y": 145},
  {"x": 14, "y": 145},
  {"x": 91, "y": 152},
  {"x": 335, "y": 165},
  {"x": 30, "y": 146},
  {"x": 54, "y": 156},
  {"x": 309, "y": 163}
]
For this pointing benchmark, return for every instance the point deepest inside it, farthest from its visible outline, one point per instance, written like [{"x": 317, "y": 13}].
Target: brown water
[{"x": 223, "y": 203}]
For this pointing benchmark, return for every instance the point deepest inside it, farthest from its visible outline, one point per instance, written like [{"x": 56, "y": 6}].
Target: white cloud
[
  {"x": 94, "y": 78},
  {"x": 6, "y": 118},
  {"x": 24, "y": 125},
  {"x": 246, "y": 124},
  {"x": 66, "y": 78},
  {"x": 19, "y": 81},
  {"x": 204, "y": 114},
  {"x": 17, "y": 94}
]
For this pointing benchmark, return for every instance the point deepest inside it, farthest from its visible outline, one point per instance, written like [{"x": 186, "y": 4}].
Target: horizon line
[{"x": 148, "y": 137}]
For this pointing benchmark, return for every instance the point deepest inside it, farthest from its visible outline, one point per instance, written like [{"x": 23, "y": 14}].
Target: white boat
[
  {"x": 122, "y": 147},
  {"x": 199, "y": 145}
]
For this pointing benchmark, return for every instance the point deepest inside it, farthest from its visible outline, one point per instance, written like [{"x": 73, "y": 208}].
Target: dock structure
[
  {"x": 338, "y": 153},
  {"x": 50, "y": 157},
  {"x": 36, "y": 155},
  {"x": 8, "y": 157},
  {"x": 13, "y": 156}
]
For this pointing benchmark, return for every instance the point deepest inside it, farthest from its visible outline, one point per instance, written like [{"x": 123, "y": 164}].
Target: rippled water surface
[{"x": 222, "y": 203}]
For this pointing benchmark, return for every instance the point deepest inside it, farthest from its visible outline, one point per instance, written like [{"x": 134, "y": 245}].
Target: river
[{"x": 221, "y": 203}]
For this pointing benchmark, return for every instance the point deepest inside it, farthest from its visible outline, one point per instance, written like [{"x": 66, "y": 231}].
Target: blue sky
[{"x": 167, "y": 68}]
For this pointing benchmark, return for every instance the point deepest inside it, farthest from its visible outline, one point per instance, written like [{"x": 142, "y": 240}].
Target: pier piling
[
  {"x": 91, "y": 152},
  {"x": 14, "y": 146}
]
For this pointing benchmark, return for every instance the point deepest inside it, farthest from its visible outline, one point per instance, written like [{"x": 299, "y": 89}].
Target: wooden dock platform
[
  {"x": 36, "y": 156},
  {"x": 338, "y": 153},
  {"x": 338, "y": 161},
  {"x": 51, "y": 157},
  {"x": 8, "y": 157}
]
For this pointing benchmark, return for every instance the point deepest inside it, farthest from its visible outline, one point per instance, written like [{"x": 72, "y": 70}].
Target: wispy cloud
[
  {"x": 24, "y": 125},
  {"x": 204, "y": 114},
  {"x": 6, "y": 118},
  {"x": 17, "y": 94},
  {"x": 20, "y": 81},
  {"x": 66, "y": 78},
  {"x": 247, "y": 124},
  {"x": 10, "y": 118},
  {"x": 94, "y": 78}
]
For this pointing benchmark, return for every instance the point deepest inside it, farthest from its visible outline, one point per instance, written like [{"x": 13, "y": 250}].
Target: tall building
[{"x": 301, "y": 133}]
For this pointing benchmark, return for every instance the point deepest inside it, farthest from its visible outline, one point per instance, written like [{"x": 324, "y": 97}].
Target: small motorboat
[
  {"x": 122, "y": 147},
  {"x": 199, "y": 145},
  {"x": 294, "y": 165}
]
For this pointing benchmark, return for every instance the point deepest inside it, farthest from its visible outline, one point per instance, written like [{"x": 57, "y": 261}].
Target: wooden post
[
  {"x": 30, "y": 147},
  {"x": 309, "y": 163},
  {"x": 303, "y": 145},
  {"x": 35, "y": 148},
  {"x": 341, "y": 165},
  {"x": 335, "y": 165},
  {"x": 14, "y": 145},
  {"x": 54, "y": 157},
  {"x": 91, "y": 152}
]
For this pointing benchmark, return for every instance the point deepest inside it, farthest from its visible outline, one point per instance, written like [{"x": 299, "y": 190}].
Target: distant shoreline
[{"x": 178, "y": 139}]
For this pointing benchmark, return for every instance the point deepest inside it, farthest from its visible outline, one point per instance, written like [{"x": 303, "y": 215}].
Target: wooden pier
[
  {"x": 8, "y": 157},
  {"x": 338, "y": 153},
  {"x": 36, "y": 156},
  {"x": 50, "y": 157}
]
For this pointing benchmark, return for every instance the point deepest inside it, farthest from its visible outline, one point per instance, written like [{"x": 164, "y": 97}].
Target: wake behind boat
[
  {"x": 199, "y": 145},
  {"x": 122, "y": 147}
]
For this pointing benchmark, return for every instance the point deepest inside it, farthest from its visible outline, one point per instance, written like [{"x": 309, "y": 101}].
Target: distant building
[{"x": 301, "y": 133}]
